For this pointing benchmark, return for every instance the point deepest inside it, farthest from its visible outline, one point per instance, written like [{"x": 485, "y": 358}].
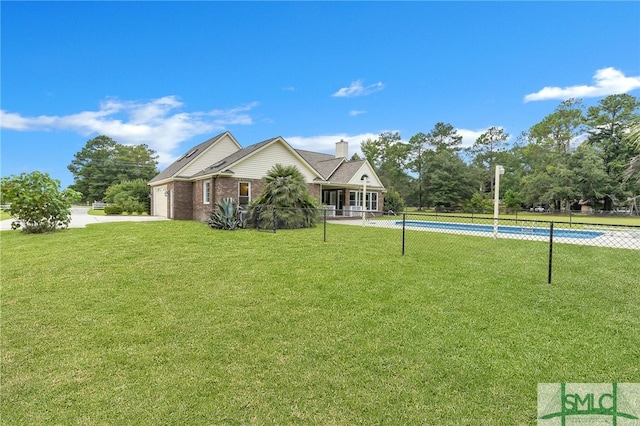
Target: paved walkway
[{"x": 80, "y": 218}]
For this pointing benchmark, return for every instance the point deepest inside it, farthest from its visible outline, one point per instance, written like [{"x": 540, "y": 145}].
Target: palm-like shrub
[
  {"x": 285, "y": 201},
  {"x": 229, "y": 217}
]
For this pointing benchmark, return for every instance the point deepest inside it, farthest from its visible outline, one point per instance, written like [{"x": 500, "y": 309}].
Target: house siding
[
  {"x": 261, "y": 163},
  {"x": 365, "y": 169},
  {"x": 216, "y": 152}
]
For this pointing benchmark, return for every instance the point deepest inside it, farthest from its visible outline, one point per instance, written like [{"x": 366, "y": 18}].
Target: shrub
[
  {"x": 37, "y": 203},
  {"x": 129, "y": 194},
  {"x": 113, "y": 210},
  {"x": 285, "y": 200},
  {"x": 229, "y": 217},
  {"x": 393, "y": 201},
  {"x": 478, "y": 204}
]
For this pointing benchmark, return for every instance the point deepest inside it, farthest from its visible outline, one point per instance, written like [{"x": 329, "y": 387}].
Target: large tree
[
  {"x": 609, "y": 124},
  {"x": 388, "y": 155},
  {"x": 450, "y": 181},
  {"x": 417, "y": 151},
  {"x": 103, "y": 162},
  {"x": 444, "y": 136},
  {"x": 550, "y": 179},
  {"x": 560, "y": 129},
  {"x": 484, "y": 152}
]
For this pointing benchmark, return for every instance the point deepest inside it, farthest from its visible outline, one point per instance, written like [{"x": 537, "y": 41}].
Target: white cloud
[
  {"x": 354, "y": 112},
  {"x": 607, "y": 81},
  {"x": 469, "y": 136},
  {"x": 155, "y": 123},
  {"x": 357, "y": 89},
  {"x": 327, "y": 143}
]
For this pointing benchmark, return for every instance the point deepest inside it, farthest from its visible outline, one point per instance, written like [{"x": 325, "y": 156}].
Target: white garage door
[{"x": 160, "y": 201}]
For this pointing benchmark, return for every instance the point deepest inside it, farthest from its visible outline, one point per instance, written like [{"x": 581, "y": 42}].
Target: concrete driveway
[{"x": 80, "y": 218}]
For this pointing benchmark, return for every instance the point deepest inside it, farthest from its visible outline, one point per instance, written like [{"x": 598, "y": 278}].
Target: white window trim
[
  {"x": 206, "y": 192},
  {"x": 369, "y": 204},
  {"x": 248, "y": 192}
]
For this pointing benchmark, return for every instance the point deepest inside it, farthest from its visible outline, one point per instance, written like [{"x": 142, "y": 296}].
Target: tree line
[
  {"x": 574, "y": 156},
  {"x": 105, "y": 170}
]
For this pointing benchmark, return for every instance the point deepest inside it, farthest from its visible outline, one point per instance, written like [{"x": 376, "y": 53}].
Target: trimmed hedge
[{"x": 116, "y": 209}]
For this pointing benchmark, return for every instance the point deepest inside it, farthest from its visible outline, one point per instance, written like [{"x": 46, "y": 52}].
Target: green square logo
[{"x": 566, "y": 404}]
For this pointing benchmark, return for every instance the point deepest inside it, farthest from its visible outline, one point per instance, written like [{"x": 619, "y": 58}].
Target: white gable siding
[
  {"x": 256, "y": 166},
  {"x": 216, "y": 152},
  {"x": 365, "y": 170}
]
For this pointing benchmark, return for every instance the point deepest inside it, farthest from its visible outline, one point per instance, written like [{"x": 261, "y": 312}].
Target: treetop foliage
[
  {"x": 571, "y": 155},
  {"x": 103, "y": 162}
]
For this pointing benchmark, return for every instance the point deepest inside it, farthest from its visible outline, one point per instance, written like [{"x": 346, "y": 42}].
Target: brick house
[{"x": 190, "y": 188}]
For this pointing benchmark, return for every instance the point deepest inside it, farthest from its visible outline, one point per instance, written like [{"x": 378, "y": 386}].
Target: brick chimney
[{"x": 342, "y": 149}]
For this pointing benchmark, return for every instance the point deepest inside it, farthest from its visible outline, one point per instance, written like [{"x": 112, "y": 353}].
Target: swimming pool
[{"x": 502, "y": 229}]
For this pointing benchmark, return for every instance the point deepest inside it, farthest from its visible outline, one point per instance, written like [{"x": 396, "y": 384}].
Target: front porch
[{"x": 349, "y": 202}]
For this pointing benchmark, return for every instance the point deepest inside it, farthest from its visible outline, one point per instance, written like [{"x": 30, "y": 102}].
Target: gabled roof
[
  {"x": 325, "y": 164},
  {"x": 327, "y": 168},
  {"x": 187, "y": 158},
  {"x": 232, "y": 159},
  {"x": 346, "y": 171}
]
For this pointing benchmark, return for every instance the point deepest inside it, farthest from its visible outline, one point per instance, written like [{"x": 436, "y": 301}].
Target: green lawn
[
  {"x": 4, "y": 215},
  {"x": 175, "y": 323}
]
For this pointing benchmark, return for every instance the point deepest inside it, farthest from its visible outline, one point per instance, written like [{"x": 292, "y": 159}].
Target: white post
[
  {"x": 364, "y": 179},
  {"x": 496, "y": 200}
]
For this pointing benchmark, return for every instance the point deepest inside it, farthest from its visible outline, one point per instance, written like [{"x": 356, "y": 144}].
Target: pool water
[{"x": 519, "y": 230}]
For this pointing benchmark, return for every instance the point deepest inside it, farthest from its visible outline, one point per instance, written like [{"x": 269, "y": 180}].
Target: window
[
  {"x": 244, "y": 194},
  {"x": 206, "y": 192},
  {"x": 355, "y": 199},
  {"x": 372, "y": 201}
]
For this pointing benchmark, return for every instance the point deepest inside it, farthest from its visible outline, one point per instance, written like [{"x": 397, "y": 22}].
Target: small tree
[
  {"x": 513, "y": 200},
  {"x": 286, "y": 195},
  {"x": 478, "y": 203},
  {"x": 393, "y": 201},
  {"x": 37, "y": 203}
]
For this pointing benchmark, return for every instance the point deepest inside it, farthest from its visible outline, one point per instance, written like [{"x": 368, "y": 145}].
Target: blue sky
[{"x": 173, "y": 74}]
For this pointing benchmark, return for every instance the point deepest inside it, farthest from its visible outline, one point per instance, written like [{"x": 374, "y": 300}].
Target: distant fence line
[
  {"x": 99, "y": 205},
  {"x": 417, "y": 226}
]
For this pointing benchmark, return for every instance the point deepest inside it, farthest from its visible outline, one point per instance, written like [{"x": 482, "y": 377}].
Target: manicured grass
[
  {"x": 4, "y": 215},
  {"x": 175, "y": 323}
]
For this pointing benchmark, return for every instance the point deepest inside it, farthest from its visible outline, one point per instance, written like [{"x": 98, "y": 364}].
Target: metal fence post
[
  {"x": 550, "y": 251},
  {"x": 325, "y": 224},
  {"x": 274, "y": 220},
  {"x": 404, "y": 221}
]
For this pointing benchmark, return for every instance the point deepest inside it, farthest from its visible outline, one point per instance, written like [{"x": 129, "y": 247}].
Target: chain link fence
[{"x": 416, "y": 228}]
